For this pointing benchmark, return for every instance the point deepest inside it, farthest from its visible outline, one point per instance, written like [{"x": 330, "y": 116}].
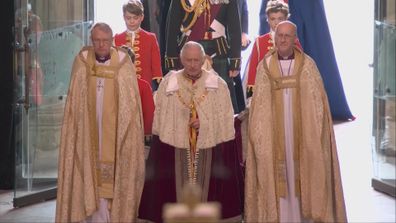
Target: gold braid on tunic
[
  {"x": 129, "y": 39},
  {"x": 197, "y": 9}
]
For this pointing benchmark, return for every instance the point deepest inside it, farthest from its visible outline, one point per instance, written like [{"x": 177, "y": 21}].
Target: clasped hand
[{"x": 194, "y": 123}]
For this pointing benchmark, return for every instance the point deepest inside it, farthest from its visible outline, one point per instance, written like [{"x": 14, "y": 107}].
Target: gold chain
[
  {"x": 191, "y": 104},
  {"x": 192, "y": 168}
]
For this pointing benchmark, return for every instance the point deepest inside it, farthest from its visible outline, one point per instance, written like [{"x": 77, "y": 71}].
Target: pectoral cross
[{"x": 100, "y": 85}]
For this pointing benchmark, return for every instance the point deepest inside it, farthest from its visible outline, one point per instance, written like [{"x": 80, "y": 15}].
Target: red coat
[
  {"x": 147, "y": 54},
  {"x": 148, "y": 67},
  {"x": 265, "y": 44},
  {"x": 146, "y": 98}
]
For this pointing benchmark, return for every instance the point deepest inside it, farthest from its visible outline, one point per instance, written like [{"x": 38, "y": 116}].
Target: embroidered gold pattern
[
  {"x": 106, "y": 171},
  {"x": 192, "y": 166},
  {"x": 198, "y": 100}
]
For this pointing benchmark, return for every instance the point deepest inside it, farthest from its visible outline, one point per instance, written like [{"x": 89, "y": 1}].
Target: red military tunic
[
  {"x": 148, "y": 67},
  {"x": 262, "y": 45},
  {"x": 146, "y": 98},
  {"x": 147, "y": 53}
]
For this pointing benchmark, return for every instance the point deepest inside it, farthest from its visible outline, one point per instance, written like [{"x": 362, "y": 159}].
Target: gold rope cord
[
  {"x": 197, "y": 8},
  {"x": 193, "y": 7}
]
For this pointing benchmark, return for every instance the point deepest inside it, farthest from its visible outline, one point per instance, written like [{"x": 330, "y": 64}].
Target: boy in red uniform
[
  {"x": 143, "y": 43},
  {"x": 147, "y": 57}
]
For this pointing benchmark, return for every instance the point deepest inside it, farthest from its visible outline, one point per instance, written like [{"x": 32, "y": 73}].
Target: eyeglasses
[{"x": 100, "y": 41}]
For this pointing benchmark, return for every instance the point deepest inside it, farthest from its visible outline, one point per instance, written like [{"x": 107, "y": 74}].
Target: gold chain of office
[{"x": 191, "y": 104}]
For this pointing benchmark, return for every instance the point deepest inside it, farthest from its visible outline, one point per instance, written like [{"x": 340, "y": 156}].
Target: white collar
[
  {"x": 211, "y": 82},
  {"x": 133, "y": 31}
]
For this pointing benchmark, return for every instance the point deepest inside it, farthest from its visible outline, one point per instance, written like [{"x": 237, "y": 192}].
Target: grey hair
[
  {"x": 191, "y": 44},
  {"x": 103, "y": 27}
]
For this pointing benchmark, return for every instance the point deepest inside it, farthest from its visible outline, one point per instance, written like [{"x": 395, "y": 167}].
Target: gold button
[
  {"x": 136, "y": 42},
  {"x": 137, "y": 62},
  {"x": 137, "y": 55},
  {"x": 138, "y": 76},
  {"x": 135, "y": 48},
  {"x": 138, "y": 69}
]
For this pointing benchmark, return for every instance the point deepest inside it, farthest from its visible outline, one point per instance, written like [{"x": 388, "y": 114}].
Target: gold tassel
[{"x": 193, "y": 142}]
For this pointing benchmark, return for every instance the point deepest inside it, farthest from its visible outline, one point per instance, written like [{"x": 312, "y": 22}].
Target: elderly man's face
[
  {"x": 102, "y": 42},
  {"x": 285, "y": 36},
  {"x": 192, "y": 60}
]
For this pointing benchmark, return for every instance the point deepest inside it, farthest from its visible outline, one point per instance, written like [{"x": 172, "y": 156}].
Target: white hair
[{"x": 191, "y": 44}]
